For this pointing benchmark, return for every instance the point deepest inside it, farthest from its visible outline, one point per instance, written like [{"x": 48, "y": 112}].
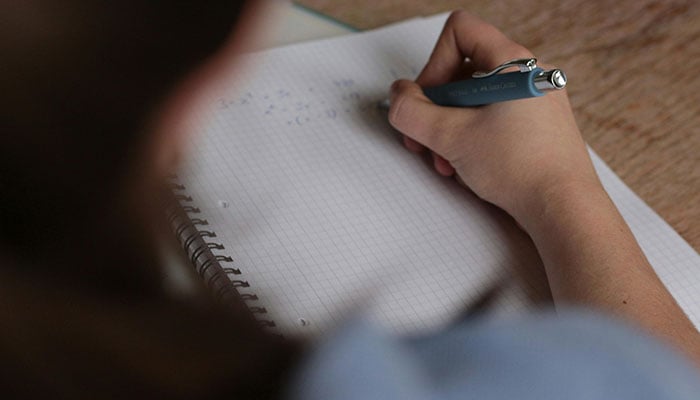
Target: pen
[{"x": 492, "y": 86}]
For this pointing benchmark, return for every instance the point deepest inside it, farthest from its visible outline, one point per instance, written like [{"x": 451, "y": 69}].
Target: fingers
[
  {"x": 467, "y": 36},
  {"x": 420, "y": 120},
  {"x": 442, "y": 166},
  {"x": 466, "y": 44},
  {"x": 412, "y": 145}
]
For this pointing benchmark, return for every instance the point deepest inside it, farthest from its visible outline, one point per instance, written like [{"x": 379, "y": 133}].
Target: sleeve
[{"x": 573, "y": 354}]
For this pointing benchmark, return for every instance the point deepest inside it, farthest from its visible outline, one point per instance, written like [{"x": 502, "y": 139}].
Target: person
[{"x": 93, "y": 97}]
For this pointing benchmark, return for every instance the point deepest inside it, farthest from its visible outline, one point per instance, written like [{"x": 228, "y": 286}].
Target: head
[{"x": 90, "y": 93}]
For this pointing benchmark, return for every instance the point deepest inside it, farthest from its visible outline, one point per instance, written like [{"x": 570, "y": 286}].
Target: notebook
[{"x": 299, "y": 198}]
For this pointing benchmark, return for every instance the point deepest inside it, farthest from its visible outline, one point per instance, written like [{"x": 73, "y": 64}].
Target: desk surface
[{"x": 632, "y": 68}]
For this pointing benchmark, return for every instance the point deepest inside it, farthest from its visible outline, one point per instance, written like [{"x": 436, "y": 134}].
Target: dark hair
[
  {"x": 84, "y": 309},
  {"x": 80, "y": 81}
]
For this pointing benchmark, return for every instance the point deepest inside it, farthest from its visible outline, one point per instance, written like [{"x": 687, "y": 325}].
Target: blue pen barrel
[{"x": 481, "y": 91}]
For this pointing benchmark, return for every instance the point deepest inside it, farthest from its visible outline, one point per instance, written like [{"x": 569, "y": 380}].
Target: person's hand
[
  {"x": 527, "y": 157},
  {"x": 515, "y": 154}
]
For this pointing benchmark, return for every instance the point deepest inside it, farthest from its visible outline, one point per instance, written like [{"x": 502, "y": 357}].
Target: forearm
[
  {"x": 516, "y": 154},
  {"x": 592, "y": 259}
]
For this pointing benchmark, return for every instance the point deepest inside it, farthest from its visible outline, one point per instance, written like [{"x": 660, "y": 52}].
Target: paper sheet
[{"x": 326, "y": 213}]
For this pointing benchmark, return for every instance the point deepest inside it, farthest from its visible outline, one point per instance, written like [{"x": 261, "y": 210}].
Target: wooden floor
[{"x": 634, "y": 80}]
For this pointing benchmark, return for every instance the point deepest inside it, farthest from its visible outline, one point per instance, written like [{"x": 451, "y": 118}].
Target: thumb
[{"x": 414, "y": 115}]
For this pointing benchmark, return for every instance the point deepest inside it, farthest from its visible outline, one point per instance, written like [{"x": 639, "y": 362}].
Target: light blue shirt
[{"x": 566, "y": 356}]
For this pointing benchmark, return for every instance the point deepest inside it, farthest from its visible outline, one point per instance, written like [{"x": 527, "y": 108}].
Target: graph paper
[{"x": 326, "y": 214}]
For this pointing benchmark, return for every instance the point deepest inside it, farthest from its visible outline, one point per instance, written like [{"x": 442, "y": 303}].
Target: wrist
[{"x": 569, "y": 203}]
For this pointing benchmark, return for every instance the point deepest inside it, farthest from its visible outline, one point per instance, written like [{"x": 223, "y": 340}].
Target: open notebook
[{"x": 323, "y": 212}]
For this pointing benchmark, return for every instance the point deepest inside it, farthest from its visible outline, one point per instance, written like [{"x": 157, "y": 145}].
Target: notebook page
[
  {"x": 325, "y": 213},
  {"x": 676, "y": 263},
  {"x": 326, "y": 210}
]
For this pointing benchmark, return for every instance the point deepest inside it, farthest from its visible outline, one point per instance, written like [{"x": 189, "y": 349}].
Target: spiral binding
[{"x": 186, "y": 220}]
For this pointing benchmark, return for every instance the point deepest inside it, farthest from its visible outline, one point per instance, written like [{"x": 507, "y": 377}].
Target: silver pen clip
[
  {"x": 553, "y": 79},
  {"x": 523, "y": 64}
]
